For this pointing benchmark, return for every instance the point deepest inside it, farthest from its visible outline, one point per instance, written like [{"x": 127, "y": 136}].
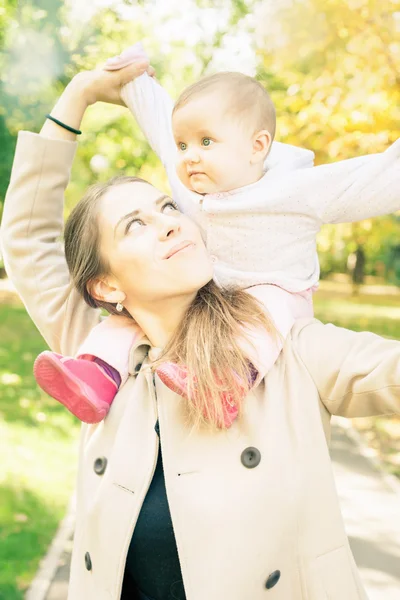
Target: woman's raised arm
[{"x": 33, "y": 212}]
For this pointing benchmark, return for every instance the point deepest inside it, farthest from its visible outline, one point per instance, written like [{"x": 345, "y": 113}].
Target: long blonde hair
[{"x": 207, "y": 343}]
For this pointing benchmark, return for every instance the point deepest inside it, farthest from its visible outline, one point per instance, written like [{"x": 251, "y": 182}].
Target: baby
[{"x": 259, "y": 205}]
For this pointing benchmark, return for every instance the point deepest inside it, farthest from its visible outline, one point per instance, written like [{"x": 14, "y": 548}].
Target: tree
[
  {"x": 332, "y": 67},
  {"x": 338, "y": 64}
]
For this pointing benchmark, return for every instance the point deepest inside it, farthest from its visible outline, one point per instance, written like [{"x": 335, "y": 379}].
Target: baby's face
[{"x": 214, "y": 148}]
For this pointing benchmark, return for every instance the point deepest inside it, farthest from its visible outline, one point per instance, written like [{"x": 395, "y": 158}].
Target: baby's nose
[{"x": 191, "y": 155}]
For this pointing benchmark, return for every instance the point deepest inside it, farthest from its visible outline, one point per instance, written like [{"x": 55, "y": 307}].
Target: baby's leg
[
  {"x": 301, "y": 303},
  {"x": 284, "y": 308},
  {"x": 87, "y": 384},
  {"x": 111, "y": 341}
]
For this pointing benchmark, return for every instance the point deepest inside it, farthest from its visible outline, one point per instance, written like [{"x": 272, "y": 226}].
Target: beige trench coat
[{"x": 235, "y": 526}]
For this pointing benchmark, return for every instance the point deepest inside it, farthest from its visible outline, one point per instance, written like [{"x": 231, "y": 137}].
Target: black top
[{"x": 153, "y": 562}]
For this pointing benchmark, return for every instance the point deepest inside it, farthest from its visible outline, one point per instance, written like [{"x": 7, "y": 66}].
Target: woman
[{"x": 254, "y": 508}]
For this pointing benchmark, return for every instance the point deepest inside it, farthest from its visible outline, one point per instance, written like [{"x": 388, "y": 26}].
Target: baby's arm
[
  {"x": 152, "y": 108},
  {"x": 352, "y": 190}
]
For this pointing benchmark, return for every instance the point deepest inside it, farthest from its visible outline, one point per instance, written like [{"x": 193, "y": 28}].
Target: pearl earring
[{"x": 119, "y": 307}]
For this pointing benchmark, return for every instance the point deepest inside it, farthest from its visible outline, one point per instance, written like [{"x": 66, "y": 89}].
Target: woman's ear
[
  {"x": 104, "y": 291},
  {"x": 262, "y": 141}
]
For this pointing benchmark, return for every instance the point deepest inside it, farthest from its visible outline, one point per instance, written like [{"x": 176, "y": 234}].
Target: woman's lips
[{"x": 178, "y": 248}]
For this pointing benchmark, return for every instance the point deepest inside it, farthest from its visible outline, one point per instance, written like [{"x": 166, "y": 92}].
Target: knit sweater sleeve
[
  {"x": 352, "y": 190},
  {"x": 152, "y": 107}
]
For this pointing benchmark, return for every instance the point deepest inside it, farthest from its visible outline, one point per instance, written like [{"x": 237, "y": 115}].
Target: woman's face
[{"x": 153, "y": 250}]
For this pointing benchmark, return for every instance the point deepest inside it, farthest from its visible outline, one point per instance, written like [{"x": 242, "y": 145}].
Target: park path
[{"x": 370, "y": 502}]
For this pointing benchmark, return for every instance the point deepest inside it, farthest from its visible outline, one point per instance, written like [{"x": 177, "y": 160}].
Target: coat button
[
  {"x": 100, "y": 465},
  {"x": 88, "y": 561},
  {"x": 250, "y": 457},
  {"x": 273, "y": 579}
]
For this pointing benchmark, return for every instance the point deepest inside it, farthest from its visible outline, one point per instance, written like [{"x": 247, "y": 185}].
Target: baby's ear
[{"x": 262, "y": 141}]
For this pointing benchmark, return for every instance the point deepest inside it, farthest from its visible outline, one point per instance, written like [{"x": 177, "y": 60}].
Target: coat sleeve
[
  {"x": 33, "y": 252},
  {"x": 356, "y": 374},
  {"x": 351, "y": 190}
]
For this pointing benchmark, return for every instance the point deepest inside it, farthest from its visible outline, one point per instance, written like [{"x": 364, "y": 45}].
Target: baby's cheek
[
  {"x": 180, "y": 171},
  {"x": 182, "y": 174}
]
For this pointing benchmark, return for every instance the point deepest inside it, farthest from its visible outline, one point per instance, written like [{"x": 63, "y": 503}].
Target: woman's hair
[
  {"x": 82, "y": 242},
  {"x": 207, "y": 343}
]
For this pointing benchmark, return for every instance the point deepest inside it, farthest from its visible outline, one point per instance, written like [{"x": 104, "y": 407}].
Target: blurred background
[{"x": 333, "y": 70}]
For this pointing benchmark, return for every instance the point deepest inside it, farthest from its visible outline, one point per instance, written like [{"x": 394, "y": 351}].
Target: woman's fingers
[
  {"x": 150, "y": 71},
  {"x": 132, "y": 54},
  {"x": 112, "y": 63},
  {"x": 116, "y": 63},
  {"x": 105, "y": 86},
  {"x": 135, "y": 69}
]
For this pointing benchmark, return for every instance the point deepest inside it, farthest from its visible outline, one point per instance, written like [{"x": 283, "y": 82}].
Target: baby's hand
[{"x": 132, "y": 54}]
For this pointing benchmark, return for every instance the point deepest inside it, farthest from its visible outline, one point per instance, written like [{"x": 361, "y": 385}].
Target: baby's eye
[
  {"x": 206, "y": 141},
  {"x": 182, "y": 146}
]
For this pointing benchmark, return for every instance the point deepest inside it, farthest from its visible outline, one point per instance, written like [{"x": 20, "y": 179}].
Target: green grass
[
  {"x": 39, "y": 443},
  {"x": 377, "y": 313}
]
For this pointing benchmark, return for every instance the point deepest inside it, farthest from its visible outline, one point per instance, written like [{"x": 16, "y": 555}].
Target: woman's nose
[{"x": 167, "y": 225}]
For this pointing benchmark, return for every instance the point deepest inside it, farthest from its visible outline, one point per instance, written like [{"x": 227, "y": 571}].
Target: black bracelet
[{"x": 61, "y": 124}]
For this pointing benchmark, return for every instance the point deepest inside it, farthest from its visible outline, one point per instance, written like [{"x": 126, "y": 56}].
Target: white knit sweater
[{"x": 266, "y": 232}]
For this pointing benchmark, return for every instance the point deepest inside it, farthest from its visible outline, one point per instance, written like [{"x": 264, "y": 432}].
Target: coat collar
[{"x": 139, "y": 352}]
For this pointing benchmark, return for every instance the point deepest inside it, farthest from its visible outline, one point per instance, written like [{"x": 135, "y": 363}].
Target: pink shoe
[
  {"x": 175, "y": 378},
  {"x": 80, "y": 385}
]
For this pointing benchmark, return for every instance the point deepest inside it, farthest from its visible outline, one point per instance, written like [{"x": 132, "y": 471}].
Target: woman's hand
[
  {"x": 85, "y": 89},
  {"x": 105, "y": 86}
]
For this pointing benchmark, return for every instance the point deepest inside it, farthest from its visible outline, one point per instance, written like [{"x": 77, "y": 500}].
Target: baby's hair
[{"x": 246, "y": 98}]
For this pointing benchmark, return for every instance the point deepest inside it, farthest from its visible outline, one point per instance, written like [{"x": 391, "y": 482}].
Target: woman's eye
[
  {"x": 206, "y": 141},
  {"x": 170, "y": 205},
  {"x": 182, "y": 147},
  {"x": 134, "y": 224}
]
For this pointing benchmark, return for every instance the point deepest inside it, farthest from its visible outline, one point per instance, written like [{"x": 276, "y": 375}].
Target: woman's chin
[{"x": 198, "y": 280}]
